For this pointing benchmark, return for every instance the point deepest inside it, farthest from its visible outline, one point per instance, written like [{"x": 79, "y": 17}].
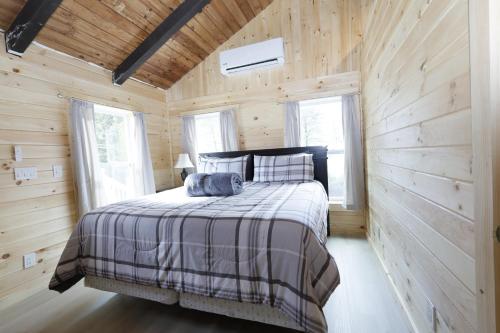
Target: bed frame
[
  {"x": 256, "y": 312},
  {"x": 320, "y": 158},
  {"x": 261, "y": 313}
]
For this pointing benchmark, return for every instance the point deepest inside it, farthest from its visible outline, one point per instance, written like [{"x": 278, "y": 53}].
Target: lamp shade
[{"x": 183, "y": 161}]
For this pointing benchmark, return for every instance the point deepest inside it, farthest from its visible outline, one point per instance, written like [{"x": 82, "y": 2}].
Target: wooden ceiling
[{"x": 105, "y": 32}]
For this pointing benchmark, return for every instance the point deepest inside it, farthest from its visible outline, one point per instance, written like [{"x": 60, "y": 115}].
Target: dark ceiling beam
[
  {"x": 173, "y": 23},
  {"x": 28, "y": 23}
]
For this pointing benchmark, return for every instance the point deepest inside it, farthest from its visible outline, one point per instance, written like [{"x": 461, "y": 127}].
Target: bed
[{"x": 259, "y": 255}]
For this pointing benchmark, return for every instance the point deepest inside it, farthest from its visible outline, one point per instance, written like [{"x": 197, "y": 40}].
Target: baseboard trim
[
  {"x": 346, "y": 231},
  {"x": 399, "y": 297}
]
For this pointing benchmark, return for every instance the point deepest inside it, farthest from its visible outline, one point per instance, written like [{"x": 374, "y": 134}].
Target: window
[
  {"x": 208, "y": 133},
  {"x": 321, "y": 124},
  {"x": 114, "y": 132}
]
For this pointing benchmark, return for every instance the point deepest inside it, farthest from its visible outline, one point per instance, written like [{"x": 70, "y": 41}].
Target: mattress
[{"x": 263, "y": 246}]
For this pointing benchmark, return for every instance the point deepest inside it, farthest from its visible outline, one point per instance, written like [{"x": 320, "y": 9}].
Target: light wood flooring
[{"x": 364, "y": 302}]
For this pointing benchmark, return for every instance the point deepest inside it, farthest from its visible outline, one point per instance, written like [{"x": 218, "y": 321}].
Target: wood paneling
[
  {"x": 322, "y": 38},
  {"x": 347, "y": 222},
  {"x": 416, "y": 106},
  {"x": 105, "y": 32},
  {"x": 485, "y": 104},
  {"x": 38, "y": 215}
]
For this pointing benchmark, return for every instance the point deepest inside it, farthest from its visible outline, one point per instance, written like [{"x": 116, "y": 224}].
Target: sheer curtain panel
[
  {"x": 143, "y": 166},
  {"x": 85, "y": 158},
  {"x": 229, "y": 130},
  {"x": 292, "y": 124},
  {"x": 353, "y": 165},
  {"x": 189, "y": 137}
]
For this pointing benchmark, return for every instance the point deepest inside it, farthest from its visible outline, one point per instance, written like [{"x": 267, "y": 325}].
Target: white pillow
[{"x": 215, "y": 164}]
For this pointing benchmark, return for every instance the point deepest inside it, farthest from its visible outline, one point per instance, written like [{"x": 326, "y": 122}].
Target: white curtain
[
  {"x": 88, "y": 183},
  {"x": 143, "y": 166},
  {"x": 189, "y": 137},
  {"x": 353, "y": 165},
  {"x": 292, "y": 124},
  {"x": 229, "y": 130}
]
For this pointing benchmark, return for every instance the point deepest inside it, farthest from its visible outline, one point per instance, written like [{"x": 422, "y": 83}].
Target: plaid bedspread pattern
[
  {"x": 266, "y": 245},
  {"x": 283, "y": 168}
]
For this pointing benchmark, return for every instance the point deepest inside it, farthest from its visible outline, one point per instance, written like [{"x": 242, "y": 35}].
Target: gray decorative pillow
[
  {"x": 215, "y": 164},
  {"x": 283, "y": 168}
]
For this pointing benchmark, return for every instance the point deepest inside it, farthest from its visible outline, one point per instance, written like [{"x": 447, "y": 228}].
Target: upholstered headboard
[{"x": 319, "y": 159}]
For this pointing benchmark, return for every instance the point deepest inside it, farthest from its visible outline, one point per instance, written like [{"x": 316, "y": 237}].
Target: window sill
[{"x": 336, "y": 206}]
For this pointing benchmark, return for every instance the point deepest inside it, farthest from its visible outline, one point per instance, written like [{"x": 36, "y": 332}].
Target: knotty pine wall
[
  {"x": 39, "y": 215},
  {"x": 322, "y": 48},
  {"x": 416, "y": 101}
]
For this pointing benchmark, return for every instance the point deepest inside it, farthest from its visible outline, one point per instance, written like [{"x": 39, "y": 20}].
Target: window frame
[
  {"x": 107, "y": 180},
  {"x": 334, "y": 201},
  {"x": 217, "y": 142}
]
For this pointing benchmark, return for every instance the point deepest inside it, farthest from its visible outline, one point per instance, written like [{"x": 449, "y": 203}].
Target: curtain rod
[{"x": 60, "y": 95}]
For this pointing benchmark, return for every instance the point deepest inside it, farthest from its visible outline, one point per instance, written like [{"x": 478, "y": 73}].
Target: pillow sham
[
  {"x": 283, "y": 168},
  {"x": 216, "y": 164}
]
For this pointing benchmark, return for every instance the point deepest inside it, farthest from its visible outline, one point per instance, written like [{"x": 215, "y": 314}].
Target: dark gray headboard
[{"x": 319, "y": 158}]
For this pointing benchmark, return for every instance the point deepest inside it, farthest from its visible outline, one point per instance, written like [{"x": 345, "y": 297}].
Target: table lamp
[{"x": 183, "y": 162}]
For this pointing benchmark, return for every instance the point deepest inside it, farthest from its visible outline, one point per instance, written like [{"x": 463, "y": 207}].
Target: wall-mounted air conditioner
[{"x": 266, "y": 53}]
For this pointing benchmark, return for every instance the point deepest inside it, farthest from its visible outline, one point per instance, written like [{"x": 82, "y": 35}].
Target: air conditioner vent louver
[
  {"x": 251, "y": 56},
  {"x": 263, "y": 62}
]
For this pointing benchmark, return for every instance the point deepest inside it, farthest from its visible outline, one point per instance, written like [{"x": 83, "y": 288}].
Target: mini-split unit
[{"x": 266, "y": 53}]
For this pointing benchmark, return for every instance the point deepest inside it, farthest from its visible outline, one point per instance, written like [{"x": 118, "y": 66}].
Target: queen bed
[{"x": 259, "y": 255}]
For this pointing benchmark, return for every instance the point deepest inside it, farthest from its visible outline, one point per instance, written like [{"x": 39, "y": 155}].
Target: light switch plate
[
  {"x": 57, "y": 171},
  {"x": 25, "y": 173},
  {"x": 29, "y": 260},
  {"x": 18, "y": 153}
]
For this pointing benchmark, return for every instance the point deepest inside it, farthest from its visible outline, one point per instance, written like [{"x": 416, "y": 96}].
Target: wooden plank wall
[
  {"x": 322, "y": 49},
  {"x": 416, "y": 101},
  {"x": 347, "y": 222},
  {"x": 321, "y": 38},
  {"x": 39, "y": 215},
  {"x": 485, "y": 108}
]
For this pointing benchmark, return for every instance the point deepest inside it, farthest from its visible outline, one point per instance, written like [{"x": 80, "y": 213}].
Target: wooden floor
[{"x": 364, "y": 302}]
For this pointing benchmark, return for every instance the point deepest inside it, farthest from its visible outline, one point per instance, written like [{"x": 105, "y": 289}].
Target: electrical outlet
[
  {"x": 18, "y": 153},
  {"x": 57, "y": 171},
  {"x": 431, "y": 315},
  {"x": 25, "y": 173},
  {"x": 29, "y": 260}
]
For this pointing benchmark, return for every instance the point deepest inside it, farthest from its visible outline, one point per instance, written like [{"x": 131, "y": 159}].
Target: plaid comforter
[{"x": 265, "y": 245}]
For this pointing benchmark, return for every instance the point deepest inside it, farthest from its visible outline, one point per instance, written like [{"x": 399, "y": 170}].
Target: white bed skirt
[{"x": 262, "y": 313}]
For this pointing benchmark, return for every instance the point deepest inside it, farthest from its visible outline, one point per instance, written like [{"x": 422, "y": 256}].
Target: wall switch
[
  {"x": 25, "y": 173},
  {"x": 29, "y": 260},
  {"x": 57, "y": 170},
  {"x": 18, "y": 153}
]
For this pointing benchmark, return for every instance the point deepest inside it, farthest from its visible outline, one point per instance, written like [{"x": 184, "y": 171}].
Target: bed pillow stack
[
  {"x": 217, "y": 165},
  {"x": 284, "y": 168}
]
